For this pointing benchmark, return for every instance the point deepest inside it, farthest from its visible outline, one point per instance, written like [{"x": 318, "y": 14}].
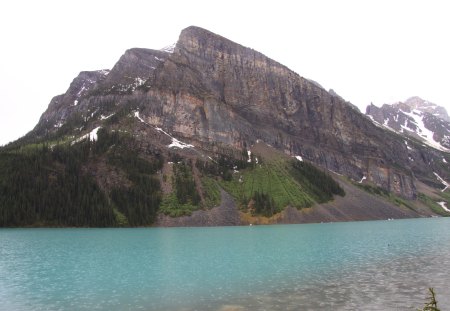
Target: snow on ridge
[
  {"x": 362, "y": 179},
  {"x": 422, "y": 131},
  {"x": 443, "y": 205},
  {"x": 162, "y": 131},
  {"x": 59, "y": 124},
  {"x": 175, "y": 142},
  {"x": 136, "y": 114},
  {"x": 442, "y": 181},
  {"x": 299, "y": 158},
  {"x": 138, "y": 81},
  {"x": 179, "y": 144},
  {"x": 387, "y": 127},
  {"x": 169, "y": 49},
  {"x": 405, "y": 127},
  {"x": 102, "y": 117},
  {"x": 83, "y": 88},
  {"x": 92, "y": 135},
  {"x": 104, "y": 72},
  {"x": 417, "y": 118},
  {"x": 249, "y": 153},
  {"x": 373, "y": 120}
]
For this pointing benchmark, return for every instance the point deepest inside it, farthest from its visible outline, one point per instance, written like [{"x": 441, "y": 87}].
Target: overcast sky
[{"x": 367, "y": 51}]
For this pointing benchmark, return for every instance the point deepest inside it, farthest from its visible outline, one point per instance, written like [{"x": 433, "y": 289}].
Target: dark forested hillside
[{"x": 52, "y": 185}]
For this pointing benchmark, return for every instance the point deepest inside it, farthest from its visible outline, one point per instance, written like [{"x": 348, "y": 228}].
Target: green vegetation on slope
[
  {"x": 321, "y": 186},
  {"x": 211, "y": 192},
  {"x": 47, "y": 187},
  {"x": 172, "y": 207},
  {"x": 273, "y": 185},
  {"x": 436, "y": 208},
  {"x": 114, "y": 182},
  {"x": 185, "y": 198}
]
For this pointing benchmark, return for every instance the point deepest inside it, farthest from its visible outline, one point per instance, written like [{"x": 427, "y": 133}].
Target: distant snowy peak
[
  {"x": 416, "y": 118},
  {"x": 420, "y": 104},
  {"x": 169, "y": 48}
]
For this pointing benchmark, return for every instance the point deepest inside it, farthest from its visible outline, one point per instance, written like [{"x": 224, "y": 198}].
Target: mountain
[
  {"x": 416, "y": 118},
  {"x": 166, "y": 135}
]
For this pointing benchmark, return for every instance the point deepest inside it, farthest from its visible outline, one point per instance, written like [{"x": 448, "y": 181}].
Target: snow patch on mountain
[
  {"x": 102, "y": 117},
  {"x": 136, "y": 114},
  {"x": 299, "y": 158},
  {"x": 104, "y": 72},
  {"x": 179, "y": 144},
  {"x": 422, "y": 131},
  {"x": 59, "y": 124},
  {"x": 444, "y": 206},
  {"x": 442, "y": 181},
  {"x": 169, "y": 48},
  {"x": 175, "y": 142},
  {"x": 92, "y": 136},
  {"x": 415, "y": 117},
  {"x": 82, "y": 89},
  {"x": 138, "y": 81}
]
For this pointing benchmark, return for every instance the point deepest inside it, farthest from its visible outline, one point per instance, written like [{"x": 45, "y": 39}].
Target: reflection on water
[{"x": 345, "y": 266}]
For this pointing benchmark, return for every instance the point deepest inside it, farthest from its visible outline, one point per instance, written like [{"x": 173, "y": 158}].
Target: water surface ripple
[{"x": 377, "y": 265}]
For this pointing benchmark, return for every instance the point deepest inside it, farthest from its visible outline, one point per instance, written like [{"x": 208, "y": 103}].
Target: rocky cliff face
[{"x": 212, "y": 92}]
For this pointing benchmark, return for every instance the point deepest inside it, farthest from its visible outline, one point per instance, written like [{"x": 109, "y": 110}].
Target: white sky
[{"x": 367, "y": 51}]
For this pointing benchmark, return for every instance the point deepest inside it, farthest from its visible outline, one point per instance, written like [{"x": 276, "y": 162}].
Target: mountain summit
[
  {"x": 416, "y": 118},
  {"x": 425, "y": 106},
  {"x": 209, "y": 122}
]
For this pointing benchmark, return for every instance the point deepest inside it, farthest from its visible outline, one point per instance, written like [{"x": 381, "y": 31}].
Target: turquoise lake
[{"x": 374, "y": 265}]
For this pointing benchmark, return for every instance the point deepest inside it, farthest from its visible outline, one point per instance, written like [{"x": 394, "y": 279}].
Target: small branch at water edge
[{"x": 431, "y": 305}]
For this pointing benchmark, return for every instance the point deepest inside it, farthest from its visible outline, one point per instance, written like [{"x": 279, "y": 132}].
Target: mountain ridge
[
  {"x": 209, "y": 100},
  {"x": 416, "y": 118},
  {"x": 194, "y": 38}
]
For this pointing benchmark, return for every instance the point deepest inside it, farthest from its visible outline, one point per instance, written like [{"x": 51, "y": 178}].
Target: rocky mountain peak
[
  {"x": 207, "y": 105},
  {"x": 416, "y": 118},
  {"x": 209, "y": 91},
  {"x": 222, "y": 51},
  {"x": 194, "y": 38},
  {"x": 428, "y": 107},
  {"x": 134, "y": 68}
]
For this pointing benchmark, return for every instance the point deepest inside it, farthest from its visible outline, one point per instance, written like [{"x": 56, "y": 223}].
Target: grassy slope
[{"x": 269, "y": 177}]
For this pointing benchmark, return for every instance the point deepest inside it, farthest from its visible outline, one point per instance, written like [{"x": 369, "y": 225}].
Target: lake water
[{"x": 376, "y": 265}]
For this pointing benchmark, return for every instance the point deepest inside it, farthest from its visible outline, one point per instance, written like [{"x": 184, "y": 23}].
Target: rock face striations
[
  {"x": 209, "y": 132},
  {"x": 211, "y": 92}
]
